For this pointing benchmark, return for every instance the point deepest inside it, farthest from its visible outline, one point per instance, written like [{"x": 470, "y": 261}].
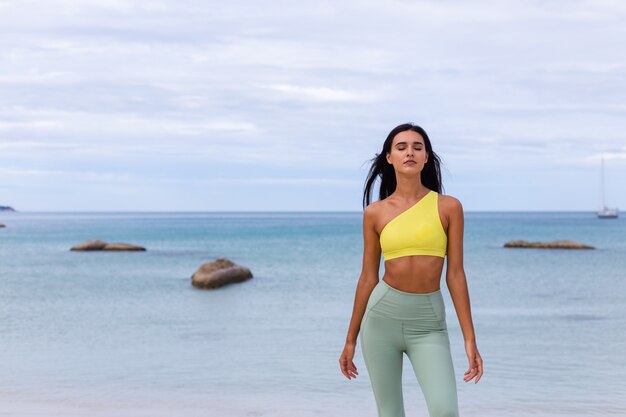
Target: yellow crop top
[{"x": 415, "y": 231}]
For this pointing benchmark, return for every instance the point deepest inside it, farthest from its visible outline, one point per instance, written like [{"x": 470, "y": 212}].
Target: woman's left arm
[{"x": 457, "y": 284}]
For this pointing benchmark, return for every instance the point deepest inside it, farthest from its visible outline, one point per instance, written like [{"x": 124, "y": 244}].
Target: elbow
[
  {"x": 368, "y": 279},
  {"x": 456, "y": 275}
]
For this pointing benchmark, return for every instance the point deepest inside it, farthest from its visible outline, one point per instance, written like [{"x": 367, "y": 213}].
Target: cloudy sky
[{"x": 187, "y": 105}]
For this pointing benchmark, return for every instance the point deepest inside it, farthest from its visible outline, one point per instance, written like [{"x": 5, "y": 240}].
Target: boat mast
[{"x": 602, "y": 186}]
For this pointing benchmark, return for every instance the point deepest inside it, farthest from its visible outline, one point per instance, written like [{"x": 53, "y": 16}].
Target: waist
[
  {"x": 413, "y": 295},
  {"x": 390, "y": 302}
]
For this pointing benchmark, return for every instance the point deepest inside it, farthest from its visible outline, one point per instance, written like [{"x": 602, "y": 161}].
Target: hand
[
  {"x": 345, "y": 361},
  {"x": 475, "y": 362}
]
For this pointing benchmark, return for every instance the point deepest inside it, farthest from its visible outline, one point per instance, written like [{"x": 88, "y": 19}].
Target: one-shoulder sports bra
[{"x": 415, "y": 231}]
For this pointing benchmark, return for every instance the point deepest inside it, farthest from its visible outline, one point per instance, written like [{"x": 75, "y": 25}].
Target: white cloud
[
  {"x": 18, "y": 173},
  {"x": 322, "y": 93},
  {"x": 10, "y": 173},
  {"x": 111, "y": 123},
  {"x": 30, "y": 125}
]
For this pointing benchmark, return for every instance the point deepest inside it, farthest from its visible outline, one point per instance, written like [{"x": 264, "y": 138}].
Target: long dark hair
[{"x": 430, "y": 176}]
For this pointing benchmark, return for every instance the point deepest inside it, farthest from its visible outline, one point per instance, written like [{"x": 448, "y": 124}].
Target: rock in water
[
  {"x": 90, "y": 245},
  {"x": 556, "y": 244},
  {"x": 218, "y": 273},
  {"x": 123, "y": 246},
  {"x": 102, "y": 245}
]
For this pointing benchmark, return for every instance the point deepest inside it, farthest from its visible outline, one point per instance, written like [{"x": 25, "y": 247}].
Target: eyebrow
[{"x": 404, "y": 142}]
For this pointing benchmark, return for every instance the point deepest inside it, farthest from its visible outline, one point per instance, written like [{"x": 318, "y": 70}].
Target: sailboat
[{"x": 605, "y": 212}]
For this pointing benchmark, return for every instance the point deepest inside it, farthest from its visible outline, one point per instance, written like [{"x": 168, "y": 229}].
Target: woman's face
[{"x": 408, "y": 146}]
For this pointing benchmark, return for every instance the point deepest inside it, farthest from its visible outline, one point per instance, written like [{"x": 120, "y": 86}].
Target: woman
[{"x": 415, "y": 227}]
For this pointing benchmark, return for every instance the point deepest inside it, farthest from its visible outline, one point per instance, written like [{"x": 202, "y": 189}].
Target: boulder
[
  {"x": 556, "y": 244},
  {"x": 90, "y": 245},
  {"x": 102, "y": 245},
  {"x": 123, "y": 246},
  {"x": 218, "y": 273}
]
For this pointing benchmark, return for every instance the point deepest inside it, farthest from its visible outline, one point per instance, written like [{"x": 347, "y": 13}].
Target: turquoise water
[{"x": 126, "y": 334}]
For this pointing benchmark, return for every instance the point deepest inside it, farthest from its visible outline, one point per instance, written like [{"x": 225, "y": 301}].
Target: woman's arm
[
  {"x": 367, "y": 281},
  {"x": 455, "y": 274},
  {"x": 457, "y": 284},
  {"x": 369, "y": 273}
]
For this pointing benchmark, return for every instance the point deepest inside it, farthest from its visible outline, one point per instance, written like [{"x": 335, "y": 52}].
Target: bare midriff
[{"x": 416, "y": 273}]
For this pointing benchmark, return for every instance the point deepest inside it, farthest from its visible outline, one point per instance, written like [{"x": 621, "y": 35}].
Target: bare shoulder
[
  {"x": 373, "y": 210},
  {"x": 373, "y": 213},
  {"x": 450, "y": 205}
]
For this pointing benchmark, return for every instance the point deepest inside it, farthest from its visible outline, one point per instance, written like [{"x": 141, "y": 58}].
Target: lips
[{"x": 410, "y": 162}]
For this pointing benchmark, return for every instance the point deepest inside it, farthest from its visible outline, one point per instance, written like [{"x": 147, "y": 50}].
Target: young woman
[{"x": 415, "y": 227}]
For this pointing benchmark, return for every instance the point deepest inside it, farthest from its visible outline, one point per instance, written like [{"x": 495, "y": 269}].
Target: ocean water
[{"x": 125, "y": 334}]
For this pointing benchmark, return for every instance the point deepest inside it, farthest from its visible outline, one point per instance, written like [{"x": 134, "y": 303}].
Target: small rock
[
  {"x": 123, "y": 246},
  {"x": 218, "y": 273},
  {"x": 102, "y": 245},
  {"x": 90, "y": 245},
  {"x": 556, "y": 244}
]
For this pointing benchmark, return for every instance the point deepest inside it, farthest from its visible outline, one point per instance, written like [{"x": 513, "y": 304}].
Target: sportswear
[
  {"x": 415, "y": 231},
  {"x": 398, "y": 322}
]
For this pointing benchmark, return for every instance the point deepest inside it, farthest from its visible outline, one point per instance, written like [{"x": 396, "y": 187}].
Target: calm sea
[{"x": 125, "y": 334}]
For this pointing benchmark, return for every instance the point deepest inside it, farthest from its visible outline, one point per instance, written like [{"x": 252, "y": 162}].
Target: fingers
[
  {"x": 348, "y": 368},
  {"x": 352, "y": 370},
  {"x": 475, "y": 370},
  {"x": 469, "y": 374}
]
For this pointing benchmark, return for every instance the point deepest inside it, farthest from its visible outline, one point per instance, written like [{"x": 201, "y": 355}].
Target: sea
[{"x": 126, "y": 334}]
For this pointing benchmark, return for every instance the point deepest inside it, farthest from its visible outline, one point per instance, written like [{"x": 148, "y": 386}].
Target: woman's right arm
[{"x": 366, "y": 283}]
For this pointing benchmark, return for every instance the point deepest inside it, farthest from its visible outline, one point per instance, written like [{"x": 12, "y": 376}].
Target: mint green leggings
[{"x": 397, "y": 322}]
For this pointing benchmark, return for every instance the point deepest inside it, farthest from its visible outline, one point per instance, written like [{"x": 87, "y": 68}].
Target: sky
[{"x": 163, "y": 105}]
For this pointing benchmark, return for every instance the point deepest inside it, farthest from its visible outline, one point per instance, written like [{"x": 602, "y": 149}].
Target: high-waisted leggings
[{"x": 397, "y": 322}]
